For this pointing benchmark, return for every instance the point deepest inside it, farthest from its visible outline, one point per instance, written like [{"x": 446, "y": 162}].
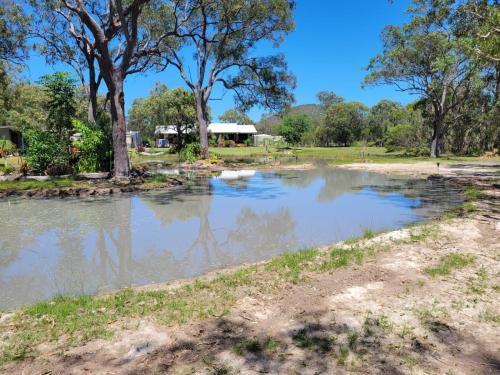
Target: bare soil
[
  {"x": 482, "y": 170},
  {"x": 386, "y": 316}
]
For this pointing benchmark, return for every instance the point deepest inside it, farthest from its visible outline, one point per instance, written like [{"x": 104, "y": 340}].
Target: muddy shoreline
[
  {"x": 95, "y": 189},
  {"x": 99, "y": 187}
]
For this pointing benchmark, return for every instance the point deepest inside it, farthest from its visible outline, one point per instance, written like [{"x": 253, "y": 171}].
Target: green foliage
[
  {"x": 402, "y": 137},
  {"x": 45, "y": 149},
  {"x": 22, "y": 104},
  {"x": 7, "y": 148},
  {"x": 344, "y": 123},
  {"x": 165, "y": 107},
  {"x": 328, "y": 98},
  {"x": 382, "y": 117},
  {"x": 14, "y": 25},
  {"x": 234, "y": 29},
  {"x": 94, "y": 150},
  {"x": 435, "y": 55},
  {"x": 236, "y": 116},
  {"x": 269, "y": 123},
  {"x": 293, "y": 128},
  {"x": 191, "y": 152},
  {"x": 61, "y": 107}
]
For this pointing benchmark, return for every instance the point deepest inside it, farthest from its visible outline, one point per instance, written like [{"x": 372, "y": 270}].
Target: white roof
[
  {"x": 231, "y": 128},
  {"x": 214, "y": 128}
]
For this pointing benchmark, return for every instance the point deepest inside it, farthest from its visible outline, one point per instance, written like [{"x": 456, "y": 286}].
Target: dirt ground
[
  {"x": 483, "y": 170},
  {"x": 385, "y": 316}
]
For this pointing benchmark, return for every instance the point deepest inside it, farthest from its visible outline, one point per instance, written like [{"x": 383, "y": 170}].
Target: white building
[{"x": 166, "y": 135}]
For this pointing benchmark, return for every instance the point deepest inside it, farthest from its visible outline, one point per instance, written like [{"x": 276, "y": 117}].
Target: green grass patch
[
  {"x": 254, "y": 346},
  {"x": 79, "y": 319},
  {"x": 423, "y": 232},
  {"x": 34, "y": 184},
  {"x": 490, "y": 315},
  {"x": 305, "y": 338},
  {"x": 448, "y": 263},
  {"x": 342, "y": 355},
  {"x": 369, "y": 234},
  {"x": 156, "y": 179},
  {"x": 340, "y": 257},
  {"x": 289, "y": 266},
  {"x": 472, "y": 194}
]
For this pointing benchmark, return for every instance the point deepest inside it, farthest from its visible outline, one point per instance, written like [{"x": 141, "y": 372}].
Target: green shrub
[
  {"x": 7, "y": 147},
  {"x": 45, "y": 149},
  {"x": 191, "y": 152},
  {"x": 7, "y": 168},
  {"x": 403, "y": 137},
  {"x": 92, "y": 148}
]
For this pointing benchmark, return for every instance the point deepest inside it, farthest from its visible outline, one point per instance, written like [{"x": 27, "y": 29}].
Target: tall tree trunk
[
  {"x": 92, "y": 92},
  {"x": 92, "y": 98},
  {"x": 201, "y": 115},
  {"x": 437, "y": 122},
  {"x": 120, "y": 152},
  {"x": 436, "y": 137}
]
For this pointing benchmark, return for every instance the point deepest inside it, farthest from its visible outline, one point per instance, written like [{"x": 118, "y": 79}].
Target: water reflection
[{"x": 80, "y": 247}]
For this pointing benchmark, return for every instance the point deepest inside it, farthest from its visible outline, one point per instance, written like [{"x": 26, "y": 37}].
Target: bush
[
  {"x": 92, "y": 147},
  {"x": 403, "y": 137},
  {"x": 293, "y": 128},
  {"x": 45, "y": 149},
  {"x": 7, "y": 148},
  {"x": 7, "y": 168},
  {"x": 191, "y": 152}
]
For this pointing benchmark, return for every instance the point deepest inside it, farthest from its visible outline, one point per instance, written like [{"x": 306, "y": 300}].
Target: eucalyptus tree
[
  {"x": 479, "y": 20},
  {"x": 237, "y": 116},
  {"x": 122, "y": 38},
  {"x": 345, "y": 123},
  {"x": 328, "y": 98},
  {"x": 383, "y": 116},
  {"x": 424, "y": 58},
  {"x": 14, "y": 25},
  {"x": 221, "y": 37}
]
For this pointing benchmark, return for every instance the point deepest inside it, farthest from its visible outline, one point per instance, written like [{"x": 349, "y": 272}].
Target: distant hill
[{"x": 267, "y": 122}]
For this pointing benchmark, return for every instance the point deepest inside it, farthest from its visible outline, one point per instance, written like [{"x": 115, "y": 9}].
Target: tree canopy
[
  {"x": 293, "y": 128},
  {"x": 430, "y": 57},
  {"x": 236, "y": 116},
  {"x": 14, "y": 26},
  {"x": 220, "y": 36}
]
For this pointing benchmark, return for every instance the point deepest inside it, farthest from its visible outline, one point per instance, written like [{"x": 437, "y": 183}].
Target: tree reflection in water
[{"x": 50, "y": 247}]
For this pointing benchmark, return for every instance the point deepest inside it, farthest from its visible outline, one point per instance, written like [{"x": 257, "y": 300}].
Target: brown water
[{"x": 73, "y": 247}]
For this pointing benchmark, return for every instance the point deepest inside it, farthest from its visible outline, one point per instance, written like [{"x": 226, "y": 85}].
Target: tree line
[
  {"x": 447, "y": 55},
  {"x": 207, "y": 42}
]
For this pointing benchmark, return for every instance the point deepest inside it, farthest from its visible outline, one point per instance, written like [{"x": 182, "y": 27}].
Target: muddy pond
[{"x": 75, "y": 246}]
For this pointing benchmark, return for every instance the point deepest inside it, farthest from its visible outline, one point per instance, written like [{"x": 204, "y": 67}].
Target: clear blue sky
[{"x": 332, "y": 43}]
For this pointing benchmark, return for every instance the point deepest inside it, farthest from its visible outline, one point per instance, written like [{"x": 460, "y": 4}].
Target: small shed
[{"x": 134, "y": 139}]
